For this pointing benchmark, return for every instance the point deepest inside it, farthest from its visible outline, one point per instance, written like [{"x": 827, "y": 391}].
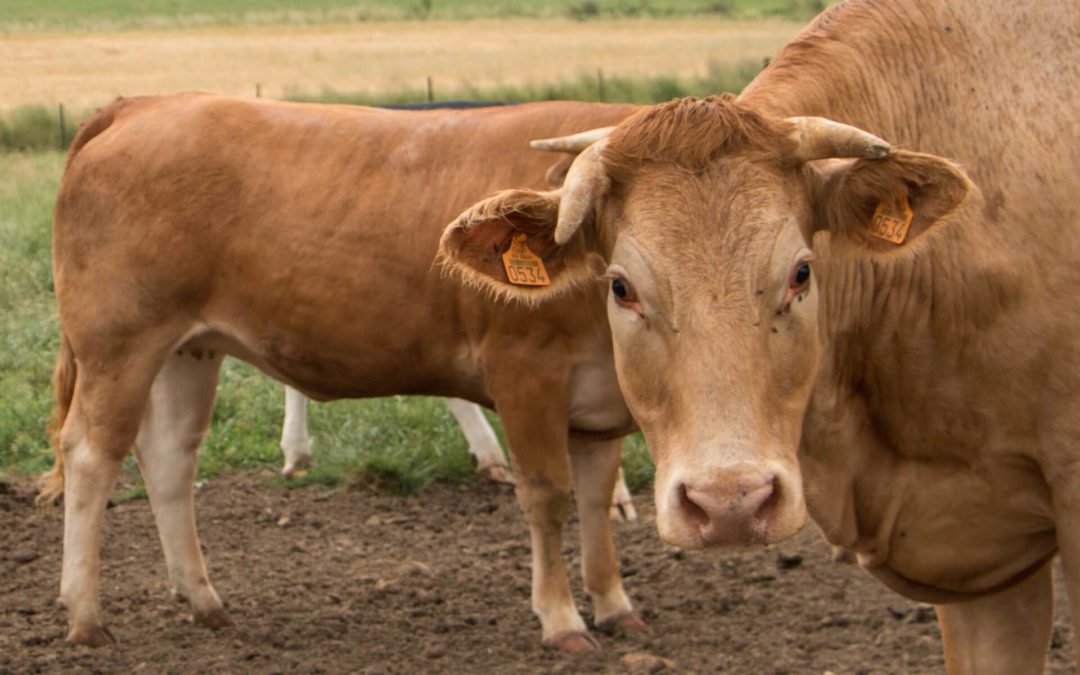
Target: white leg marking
[
  {"x": 167, "y": 446},
  {"x": 294, "y": 433},
  {"x": 622, "y": 504},
  {"x": 89, "y": 477},
  {"x": 483, "y": 444}
]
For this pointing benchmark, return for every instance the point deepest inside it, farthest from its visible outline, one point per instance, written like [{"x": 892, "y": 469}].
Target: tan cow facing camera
[{"x": 806, "y": 319}]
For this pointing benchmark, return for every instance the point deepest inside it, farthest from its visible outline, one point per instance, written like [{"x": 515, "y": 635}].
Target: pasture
[{"x": 389, "y": 556}]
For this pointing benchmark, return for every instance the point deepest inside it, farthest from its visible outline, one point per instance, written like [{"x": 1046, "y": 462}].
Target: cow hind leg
[
  {"x": 89, "y": 476},
  {"x": 294, "y": 434},
  {"x": 622, "y": 504},
  {"x": 1007, "y": 632},
  {"x": 483, "y": 443},
  {"x": 96, "y": 435},
  {"x": 596, "y": 467},
  {"x": 176, "y": 419}
]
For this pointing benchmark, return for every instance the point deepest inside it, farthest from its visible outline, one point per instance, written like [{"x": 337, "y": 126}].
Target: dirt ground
[
  {"x": 83, "y": 70},
  {"x": 354, "y": 581}
]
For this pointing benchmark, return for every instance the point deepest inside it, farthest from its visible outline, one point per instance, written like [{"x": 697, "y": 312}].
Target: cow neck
[{"x": 861, "y": 64}]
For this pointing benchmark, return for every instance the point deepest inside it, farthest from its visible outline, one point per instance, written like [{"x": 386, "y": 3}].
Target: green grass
[
  {"x": 718, "y": 77},
  {"x": 36, "y": 15},
  {"x": 397, "y": 444}
]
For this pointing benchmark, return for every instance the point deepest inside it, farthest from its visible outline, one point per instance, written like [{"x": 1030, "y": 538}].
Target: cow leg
[
  {"x": 483, "y": 444},
  {"x": 596, "y": 465},
  {"x": 294, "y": 433},
  {"x": 89, "y": 476},
  {"x": 167, "y": 446},
  {"x": 536, "y": 430},
  {"x": 622, "y": 504},
  {"x": 1007, "y": 632},
  {"x": 96, "y": 435}
]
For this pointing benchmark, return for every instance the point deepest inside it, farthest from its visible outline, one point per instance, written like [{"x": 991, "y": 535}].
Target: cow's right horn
[
  {"x": 572, "y": 143},
  {"x": 585, "y": 181},
  {"x": 820, "y": 138}
]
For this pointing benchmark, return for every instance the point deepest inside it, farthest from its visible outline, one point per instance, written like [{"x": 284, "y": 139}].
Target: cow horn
[
  {"x": 819, "y": 138},
  {"x": 572, "y": 143},
  {"x": 585, "y": 179}
]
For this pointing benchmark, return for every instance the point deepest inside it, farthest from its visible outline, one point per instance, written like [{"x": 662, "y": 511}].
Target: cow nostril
[
  {"x": 693, "y": 512},
  {"x": 771, "y": 503}
]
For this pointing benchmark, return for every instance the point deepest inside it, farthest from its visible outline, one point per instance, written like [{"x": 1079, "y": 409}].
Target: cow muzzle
[{"x": 736, "y": 505}]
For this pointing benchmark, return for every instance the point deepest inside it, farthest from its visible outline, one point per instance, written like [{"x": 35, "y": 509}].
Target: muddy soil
[{"x": 355, "y": 581}]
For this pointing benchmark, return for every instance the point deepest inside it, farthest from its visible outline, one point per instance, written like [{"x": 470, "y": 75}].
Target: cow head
[{"x": 704, "y": 213}]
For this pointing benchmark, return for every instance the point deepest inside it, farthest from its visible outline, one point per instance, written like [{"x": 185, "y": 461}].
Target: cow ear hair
[
  {"x": 472, "y": 247},
  {"x": 863, "y": 200}
]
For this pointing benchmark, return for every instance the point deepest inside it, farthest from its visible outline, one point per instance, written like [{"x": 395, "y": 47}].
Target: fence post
[
  {"x": 600, "y": 84},
  {"x": 63, "y": 133},
  {"x": 258, "y": 90},
  {"x": 430, "y": 90}
]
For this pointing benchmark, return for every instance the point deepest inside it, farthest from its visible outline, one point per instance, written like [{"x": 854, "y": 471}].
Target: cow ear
[
  {"x": 506, "y": 245},
  {"x": 885, "y": 204}
]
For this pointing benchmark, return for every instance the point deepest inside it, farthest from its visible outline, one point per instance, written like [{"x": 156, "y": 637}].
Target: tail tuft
[{"x": 51, "y": 483}]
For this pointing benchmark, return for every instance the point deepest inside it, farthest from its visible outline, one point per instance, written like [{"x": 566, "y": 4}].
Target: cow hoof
[
  {"x": 630, "y": 622},
  {"x": 624, "y": 512},
  {"x": 574, "y": 642},
  {"x": 297, "y": 468},
  {"x": 91, "y": 636},
  {"x": 215, "y": 619},
  {"x": 497, "y": 473},
  {"x": 842, "y": 555}
]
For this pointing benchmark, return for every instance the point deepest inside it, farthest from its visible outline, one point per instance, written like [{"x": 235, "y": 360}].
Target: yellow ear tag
[
  {"x": 891, "y": 221},
  {"x": 524, "y": 267}
]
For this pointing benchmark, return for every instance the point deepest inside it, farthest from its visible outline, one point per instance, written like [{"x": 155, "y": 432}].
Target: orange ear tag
[
  {"x": 524, "y": 267},
  {"x": 891, "y": 221}
]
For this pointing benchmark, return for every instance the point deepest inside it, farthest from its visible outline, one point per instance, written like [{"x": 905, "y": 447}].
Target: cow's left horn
[
  {"x": 819, "y": 138},
  {"x": 585, "y": 180},
  {"x": 572, "y": 143}
]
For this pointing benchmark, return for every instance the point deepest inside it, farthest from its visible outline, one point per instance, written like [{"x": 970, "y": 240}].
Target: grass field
[
  {"x": 83, "y": 71},
  {"x": 84, "y": 52},
  {"x": 35, "y": 15},
  {"x": 396, "y": 443}
]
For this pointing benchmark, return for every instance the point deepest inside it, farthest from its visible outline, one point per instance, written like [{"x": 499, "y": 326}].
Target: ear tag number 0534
[
  {"x": 523, "y": 267},
  {"x": 891, "y": 221}
]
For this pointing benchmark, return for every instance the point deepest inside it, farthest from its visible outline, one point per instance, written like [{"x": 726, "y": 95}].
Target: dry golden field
[{"x": 87, "y": 69}]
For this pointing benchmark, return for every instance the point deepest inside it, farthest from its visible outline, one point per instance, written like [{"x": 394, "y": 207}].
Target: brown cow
[
  {"x": 895, "y": 329},
  {"x": 300, "y": 238}
]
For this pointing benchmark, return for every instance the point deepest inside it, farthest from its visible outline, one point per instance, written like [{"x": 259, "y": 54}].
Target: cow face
[
  {"x": 711, "y": 306},
  {"x": 704, "y": 214}
]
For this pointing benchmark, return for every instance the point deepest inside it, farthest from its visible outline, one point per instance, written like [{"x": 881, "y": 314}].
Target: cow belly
[{"x": 325, "y": 375}]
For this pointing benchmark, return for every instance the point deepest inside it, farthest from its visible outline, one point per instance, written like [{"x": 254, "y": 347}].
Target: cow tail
[{"x": 51, "y": 483}]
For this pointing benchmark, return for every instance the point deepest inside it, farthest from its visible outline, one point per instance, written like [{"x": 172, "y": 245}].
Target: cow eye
[
  {"x": 622, "y": 290},
  {"x": 801, "y": 276}
]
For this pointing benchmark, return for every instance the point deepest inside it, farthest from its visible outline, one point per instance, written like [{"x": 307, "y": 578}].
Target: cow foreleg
[
  {"x": 596, "y": 466},
  {"x": 294, "y": 433},
  {"x": 181, "y": 401},
  {"x": 483, "y": 443},
  {"x": 1006, "y": 633},
  {"x": 536, "y": 430}
]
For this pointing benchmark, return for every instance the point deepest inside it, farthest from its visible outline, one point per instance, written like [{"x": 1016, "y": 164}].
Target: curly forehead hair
[{"x": 693, "y": 133}]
